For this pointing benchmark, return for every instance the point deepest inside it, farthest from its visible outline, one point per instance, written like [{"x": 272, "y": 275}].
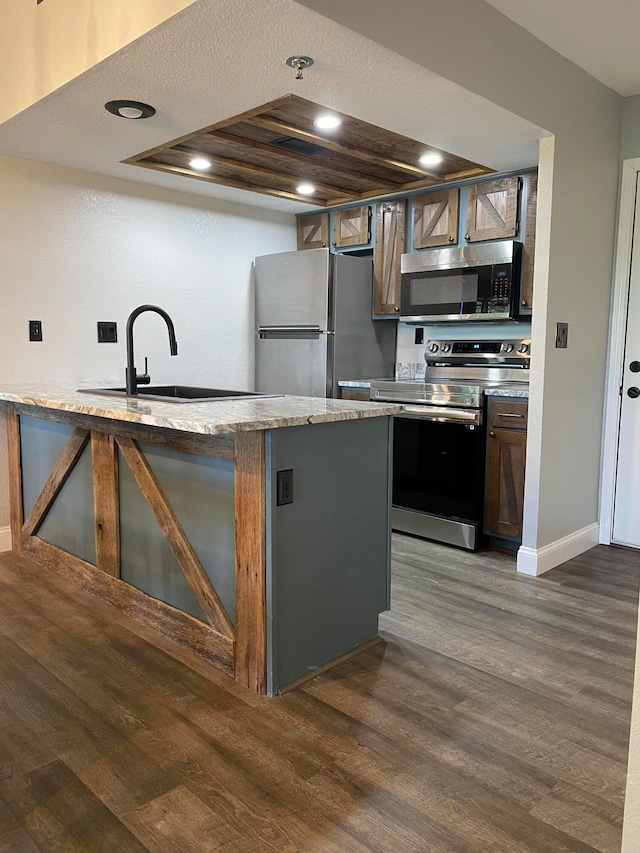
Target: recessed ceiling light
[
  {"x": 305, "y": 189},
  {"x": 328, "y": 122},
  {"x": 431, "y": 159},
  {"x": 200, "y": 163},
  {"x": 130, "y": 109}
]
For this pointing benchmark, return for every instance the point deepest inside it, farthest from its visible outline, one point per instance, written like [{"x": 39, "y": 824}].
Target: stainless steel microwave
[{"x": 478, "y": 282}]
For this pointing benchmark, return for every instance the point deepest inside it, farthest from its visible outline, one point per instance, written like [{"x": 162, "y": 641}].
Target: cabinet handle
[
  {"x": 492, "y": 434},
  {"x": 509, "y": 415},
  {"x": 452, "y": 239},
  {"x": 524, "y": 303},
  {"x": 467, "y": 236}
]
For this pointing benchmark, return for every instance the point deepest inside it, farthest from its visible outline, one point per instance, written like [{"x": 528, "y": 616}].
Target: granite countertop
[
  {"x": 355, "y": 383},
  {"x": 204, "y": 418},
  {"x": 507, "y": 389},
  {"x": 513, "y": 389}
]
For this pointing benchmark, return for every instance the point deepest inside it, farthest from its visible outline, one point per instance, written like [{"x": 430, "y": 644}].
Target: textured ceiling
[
  {"x": 600, "y": 37},
  {"x": 219, "y": 58}
]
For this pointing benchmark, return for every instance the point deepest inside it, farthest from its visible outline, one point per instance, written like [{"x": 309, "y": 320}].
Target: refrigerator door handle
[{"x": 291, "y": 332}]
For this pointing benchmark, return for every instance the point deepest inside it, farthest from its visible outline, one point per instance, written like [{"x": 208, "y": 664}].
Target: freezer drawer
[{"x": 291, "y": 363}]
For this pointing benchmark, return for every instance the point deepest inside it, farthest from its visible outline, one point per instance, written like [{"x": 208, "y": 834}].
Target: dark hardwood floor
[{"x": 494, "y": 719}]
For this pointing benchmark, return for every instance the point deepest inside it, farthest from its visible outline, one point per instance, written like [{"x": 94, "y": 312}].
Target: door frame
[{"x": 617, "y": 333}]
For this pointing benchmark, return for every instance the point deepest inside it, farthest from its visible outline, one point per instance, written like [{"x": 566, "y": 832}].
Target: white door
[{"x": 626, "y": 514}]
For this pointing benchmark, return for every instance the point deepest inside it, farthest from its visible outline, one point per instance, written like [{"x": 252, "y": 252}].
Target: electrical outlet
[
  {"x": 284, "y": 481},
  {"x": 107, "y": 333},
  {"x": 562, "y": 335},
  {"x": 35, "y": 330},
  {"x": 419, "y": 335}
]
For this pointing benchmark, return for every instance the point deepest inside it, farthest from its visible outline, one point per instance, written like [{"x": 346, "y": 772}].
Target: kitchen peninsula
[{"x": 254, "y": 532}]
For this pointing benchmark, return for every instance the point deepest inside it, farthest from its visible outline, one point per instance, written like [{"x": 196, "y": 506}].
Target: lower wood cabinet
[
  {"x": 506, "y": 458},
  {"x": 360, "y": 394}
]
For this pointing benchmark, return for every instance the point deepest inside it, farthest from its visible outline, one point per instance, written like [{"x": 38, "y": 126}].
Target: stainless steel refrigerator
[{"x": 314, "y": 325}]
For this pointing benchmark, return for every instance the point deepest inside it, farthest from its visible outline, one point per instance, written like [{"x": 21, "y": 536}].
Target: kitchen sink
[{"x": 180, "y": 393}]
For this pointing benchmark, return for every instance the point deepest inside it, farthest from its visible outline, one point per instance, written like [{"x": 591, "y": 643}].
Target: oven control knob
[
  {"x": 523, "y": 348},
  {"x": 446, "y": 347},
  {"x": 433, "y": 347},
  {"x": 508, "y": 348}
]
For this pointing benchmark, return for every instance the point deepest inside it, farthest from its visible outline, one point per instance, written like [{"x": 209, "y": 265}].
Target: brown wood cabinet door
[
  {"x": 352, "y": 227},
  {"x": 492, "y": 209},
  {"x": 389, "y": 246},
  {"x": 526, "y": 292},
  {"x": 435, "y": 219},
  {"x": 506, "y": 456},
  {"x": 313, "y": 231},
  {"x": 355, "y": 394}
]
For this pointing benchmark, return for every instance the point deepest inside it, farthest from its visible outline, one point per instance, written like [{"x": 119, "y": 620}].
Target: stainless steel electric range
[{"x": 439, "y": 442}]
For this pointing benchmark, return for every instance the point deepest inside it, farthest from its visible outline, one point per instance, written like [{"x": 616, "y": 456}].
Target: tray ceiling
[{"x": 274, "y": 148}]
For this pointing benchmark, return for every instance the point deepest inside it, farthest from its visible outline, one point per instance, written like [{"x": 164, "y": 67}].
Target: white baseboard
[
  {"x": 5, "y": 539},
  {"x": 532, "y": 561}
]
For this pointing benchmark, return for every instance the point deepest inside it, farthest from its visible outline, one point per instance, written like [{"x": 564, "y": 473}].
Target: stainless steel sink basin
[{"x": 180, "y": 393}]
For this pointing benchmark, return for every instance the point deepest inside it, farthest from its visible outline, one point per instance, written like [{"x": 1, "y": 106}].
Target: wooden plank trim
[
  {"x": 299, "y": 159},
  {"x": 529, "y": 248},
  {"x": 215, "y": 446},
  {"x": 58, "y": 477},
  {"x": 230, "y": 182},
  {"x": 15, "y": 476},
  {"x": 177, "y": 626},
  {"x": 250, "y": 511},
  {"x": 298, "y": 682},
  {"x": 262, "y": 171},
  {"x": 265, "y": 108},
  {"x": 106, "y": 502},
  {"x": 176, "y": 537},
  {"x": 332, "y": 145}
]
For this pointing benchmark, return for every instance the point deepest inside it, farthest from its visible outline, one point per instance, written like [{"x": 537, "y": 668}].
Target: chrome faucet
[{"x": 132, "y": 378}]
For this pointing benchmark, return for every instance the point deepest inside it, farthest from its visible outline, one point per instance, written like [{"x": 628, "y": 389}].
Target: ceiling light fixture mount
[
  {"x": 201, "y": 164},
  {"x": 328, "y": 122},
  {"x": 431, "y": 158},
  {"x": 129, "y": 109},
  {"x": 305, "y": 189},
  {"x": 299, "y": 63}
]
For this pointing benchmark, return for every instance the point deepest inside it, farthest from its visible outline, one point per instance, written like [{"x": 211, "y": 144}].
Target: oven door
[{"x": 438, "y": 474}]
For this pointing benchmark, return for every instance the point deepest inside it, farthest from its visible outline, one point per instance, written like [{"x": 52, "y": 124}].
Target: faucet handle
[{"x": 144, "y": 378}]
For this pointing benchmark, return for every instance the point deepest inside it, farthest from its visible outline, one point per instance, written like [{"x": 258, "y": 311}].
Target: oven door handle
[{"x": 443, "y": 414}]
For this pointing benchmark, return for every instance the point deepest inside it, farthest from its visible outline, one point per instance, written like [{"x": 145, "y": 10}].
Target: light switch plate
[{"x": 562, "y": 335}]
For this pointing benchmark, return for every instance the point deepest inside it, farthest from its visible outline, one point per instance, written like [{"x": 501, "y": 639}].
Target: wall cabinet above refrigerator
[{"x": 504, "y": 206}]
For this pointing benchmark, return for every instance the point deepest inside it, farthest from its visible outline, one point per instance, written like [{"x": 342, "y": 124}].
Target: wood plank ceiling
[{"x": 275, "y": 148}]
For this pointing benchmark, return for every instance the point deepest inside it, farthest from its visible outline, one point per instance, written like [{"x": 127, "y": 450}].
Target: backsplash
[{"x": 410, "y": 362}]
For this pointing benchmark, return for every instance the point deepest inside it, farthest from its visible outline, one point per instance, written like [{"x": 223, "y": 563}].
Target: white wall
[
  {"x": 630, "y": 128},
  {"x": 43, "y": 47},
  {"x": 631, "y": 837},
  {"x": 471, "y": 43},
  {"x": 78, "y": 248}
]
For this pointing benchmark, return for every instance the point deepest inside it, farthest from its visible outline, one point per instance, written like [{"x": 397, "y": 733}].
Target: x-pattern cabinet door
[
  {"x": 352, "y": 227},
  {"x": 313, "y": 231},
  {"x": 492, "y": 209},
  {"x": 388, "y": 249},
  {"x": 435, "y": 219}
]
